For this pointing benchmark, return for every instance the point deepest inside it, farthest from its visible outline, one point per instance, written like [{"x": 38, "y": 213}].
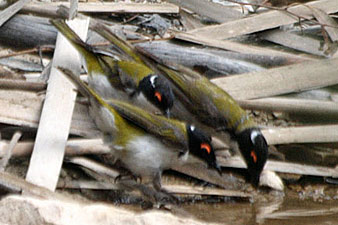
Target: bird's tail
[
  {"x": 124, "y": 47},
  {"x": 83, "y": 88},
  {"x": 83, "y": 48}
]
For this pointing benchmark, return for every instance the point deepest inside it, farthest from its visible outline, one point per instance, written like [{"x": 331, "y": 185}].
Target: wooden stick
[
  {"x": 306, "y": 134},
  {"x": 11, "y": 10},
  {"x": 263, "y": 21},
  {"x": 73, "y": 147},
  {"x": 283, "y": 167},
  {"x": 292, "y": 105},
  {"x": 111, "y": 7},
  {"x": 282, "y": 80},
  {"x": 8, "y": 153},
  {"x": 22, "y": 85},
  {"x": 56, "y": 114}
]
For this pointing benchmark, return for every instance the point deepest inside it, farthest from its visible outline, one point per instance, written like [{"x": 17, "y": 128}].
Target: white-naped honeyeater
[
  {"x": 216, "y": 108},
  {"x": 145, "y": 144},
  {"x": 208, "y": 103},
  {"x": 113, "y": 77}
]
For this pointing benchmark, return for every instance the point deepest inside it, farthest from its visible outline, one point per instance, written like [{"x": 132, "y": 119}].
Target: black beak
[{"x": 254, "y": 178}]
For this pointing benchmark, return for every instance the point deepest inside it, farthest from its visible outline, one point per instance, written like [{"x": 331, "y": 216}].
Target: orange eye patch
[
  {"x": 206, "y": 147},
  {"x": 158, "y": 96},
  {"x": 254, "y": 156}
]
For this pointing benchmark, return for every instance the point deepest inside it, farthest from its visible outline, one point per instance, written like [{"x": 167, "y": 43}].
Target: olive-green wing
[
  {"x": 209, "y": 101},
  {"x": 169, "y": 130}
]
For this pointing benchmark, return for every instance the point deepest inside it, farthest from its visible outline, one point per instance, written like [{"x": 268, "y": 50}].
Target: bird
[
  {"x": 201, "y": 101},
  {"x": 144, "y": 143},
  {"x": 214, "y": 107},
  {"x": 112, "y": 76}
]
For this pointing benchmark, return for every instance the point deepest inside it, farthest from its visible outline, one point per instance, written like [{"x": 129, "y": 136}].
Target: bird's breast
[{"x": 146, "y": 155}]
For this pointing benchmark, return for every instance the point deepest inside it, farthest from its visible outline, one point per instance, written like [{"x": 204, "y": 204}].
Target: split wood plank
[
  {"x": 74, "y": 5},
  {"x": 73, "y": 147},
  {"x": 52, "y": 134},
  {"x": 292, "y": 105},
  {"x": 220, "y": 61},
  {"x": 23, "y": 108},
  {"x": 305, "y": 134},
  {"x": 11, "y": 10},
  {"x": 282, "y": 167},
  {"x": 217, "y": 12},
  {"x": 263, "y": 21},
  {"x": 241, "y": 48},
  {"x": 299, "y": 77},
  {"x": 295, "y": 41},
  {"x": 111, "y": 7}
]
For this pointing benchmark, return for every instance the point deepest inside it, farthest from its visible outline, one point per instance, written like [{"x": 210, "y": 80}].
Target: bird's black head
[
  {"x": 254, "y": 149},
  {"x": 200, "y": 146},
  {"x": 158, "y": 91}
]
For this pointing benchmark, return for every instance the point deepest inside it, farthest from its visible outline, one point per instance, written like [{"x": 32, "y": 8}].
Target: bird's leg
[{"x": 161, "y": 194}]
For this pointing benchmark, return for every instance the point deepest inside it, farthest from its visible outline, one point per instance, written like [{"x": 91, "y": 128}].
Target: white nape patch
[
  {"x": 253, "y": 135},
  {"x": 192, "y": 127},
  {"x": 152, "y": 80}
]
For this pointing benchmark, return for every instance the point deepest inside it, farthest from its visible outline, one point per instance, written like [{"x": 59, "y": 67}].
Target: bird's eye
[
  {"x": 206, "y": 147},
  {"x": 253, "y": 156},
  {"x": 158, "y": 96}
]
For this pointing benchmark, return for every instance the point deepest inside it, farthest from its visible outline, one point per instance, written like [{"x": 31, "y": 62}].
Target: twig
[
  {"x": 94, "y": 166},
  {"x": 28, "y": 51},
  {"x": 4, "y": 161}
]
